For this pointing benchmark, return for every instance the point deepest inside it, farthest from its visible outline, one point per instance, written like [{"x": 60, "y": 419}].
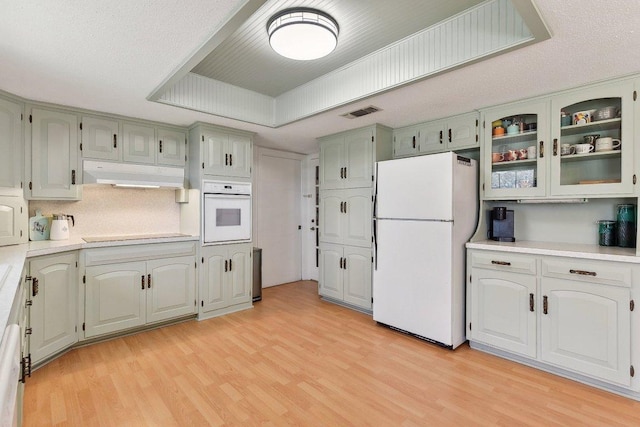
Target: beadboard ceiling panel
[{"x": 246, "y": 60}]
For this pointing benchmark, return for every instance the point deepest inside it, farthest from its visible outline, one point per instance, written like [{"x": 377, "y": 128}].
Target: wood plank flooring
[{"x": 296, "y": 360}]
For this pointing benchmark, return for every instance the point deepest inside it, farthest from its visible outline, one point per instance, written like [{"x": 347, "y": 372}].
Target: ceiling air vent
[{"x": 361, "y": 112}]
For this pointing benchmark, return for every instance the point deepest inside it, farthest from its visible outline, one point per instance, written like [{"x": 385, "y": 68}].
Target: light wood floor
[{"x": 296, "y": 360}]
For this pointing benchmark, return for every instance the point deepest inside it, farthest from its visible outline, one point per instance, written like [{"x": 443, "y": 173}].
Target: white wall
[{"x": 105, "y": 210}]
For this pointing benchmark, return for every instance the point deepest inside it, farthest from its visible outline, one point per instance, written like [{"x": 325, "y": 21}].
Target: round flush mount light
[{"x": 302, "y": 34}]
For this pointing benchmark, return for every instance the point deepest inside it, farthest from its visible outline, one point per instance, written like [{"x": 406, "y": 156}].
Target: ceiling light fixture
[{"x": 302, "y": 34}]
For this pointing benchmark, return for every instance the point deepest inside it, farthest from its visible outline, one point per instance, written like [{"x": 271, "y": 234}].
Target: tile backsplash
[{"x": 105, "y": 210}]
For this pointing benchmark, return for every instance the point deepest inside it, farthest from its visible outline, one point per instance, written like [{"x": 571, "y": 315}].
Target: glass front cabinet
[
  {"x": 515, "y": 158},
  {"x": 592, "y": 147},
  {"x": 578, "y": 143}
]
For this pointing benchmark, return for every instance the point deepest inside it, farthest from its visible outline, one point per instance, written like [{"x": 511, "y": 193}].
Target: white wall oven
[{"x": 226, "y": 212}]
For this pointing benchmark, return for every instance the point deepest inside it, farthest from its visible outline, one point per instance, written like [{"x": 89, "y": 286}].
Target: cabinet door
[
  {"x": 605, "y": 171},
  {"x": 10, "y": 144},
  {"x": 586, "y": 328},
  {"x": 331, "y": 276},
  {"x": 331, "y": 216},
  {"x": 171, "y": 147},
  {"x": 405, "y": 142},
  {"x": 431, "y": 137},
  {"x": 462, "y": 132},
  {"x": 213, "y": 293},
  {"x": 53, "y": 310},
  {"x": 213, "y": 155},
  {"x": 503, "y": 310},
  {"x": 359, "y": 159},
  {"x": 239, "y": 150},
  {"x": 332, "y": 163},
  {"x": 54, "y": 155},
  {"x": 13, "y": 215},
  {"x": 114, "y": 297},
  {"x": 357, "y": 218},
  {"x": 524, "y": 176},
  {"x": 357, "y": 277},
  {"x": 239, "y": 275},
  {"x": 139, "y": 143},
  {"x": 171, "y": 288},
  {"x": 99, "y": 139}
]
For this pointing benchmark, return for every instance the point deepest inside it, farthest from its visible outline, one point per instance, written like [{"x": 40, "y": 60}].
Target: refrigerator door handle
[{"x": 375, "y": 244}]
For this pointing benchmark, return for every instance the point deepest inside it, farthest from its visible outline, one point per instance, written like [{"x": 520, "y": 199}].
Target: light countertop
[
  {"x": 12, "y": 259},
  {"x": 570, "y": 250}
]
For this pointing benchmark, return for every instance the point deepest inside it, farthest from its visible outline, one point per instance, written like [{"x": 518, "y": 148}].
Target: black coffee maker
[{"x": 501, "y": 226}]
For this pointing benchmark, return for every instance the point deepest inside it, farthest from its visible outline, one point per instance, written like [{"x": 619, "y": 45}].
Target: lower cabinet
[
  {"x": 124, "y": 295},
  {"x": 225, "y": 278},
  {"x": 345, "y": 274},
  {"x": 582, "y": 307},
  {"x": 53, "y": 295}
]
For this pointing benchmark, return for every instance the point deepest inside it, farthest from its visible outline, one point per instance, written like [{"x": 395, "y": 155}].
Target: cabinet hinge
[
  {"x": 372, "y": 178},
  {"x": 30, "y": 118},
  {"x": 81, "y": 146},
  {"x": 476, "y": 137},
  {"x": 80, "y": 125},
  {"x": 202, "y": 165},
  {"x": 195, "y": 264},
  {"x": 371, "y": 300},
  {"x": 21, "y": 117},
  {"x": 185, "y": 157},
  {"x": 470, "y": 279},
  {"x": 76, "y": 328},
  {"x": 371, "y": 138},
  {"x": 84, "y": 279},
  {"x": 632, "y": 371},
  {"x": 201, "y": 303},
  {"x": 202, "y": 260},
  {"x": 635, "y": 95},
  {"x": 632, "y": 305},
  {"x": 30, "y": 186},
  {"x": 20, "y": 184},
  {"x": 20, "y": 209},
  {"x": 483, "y": 187},
  {"x": 484, "y": 125},
  {"x": 83, "y": 326},
  {"x": 195, "y": 303},
  {"x": 202, "y": 138},
  {"x": 634, "y": 179},
  {"x": 469, "y": 325},
  {"x": 76, "y": 264},
  {"x": 20, "y": 233},
  {"x": 477, "y": 122}
]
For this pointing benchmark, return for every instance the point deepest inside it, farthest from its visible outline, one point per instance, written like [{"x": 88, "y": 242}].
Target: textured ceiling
[
  {"x": 246, "y": 60},
  {"x": 109, "y": 55}
]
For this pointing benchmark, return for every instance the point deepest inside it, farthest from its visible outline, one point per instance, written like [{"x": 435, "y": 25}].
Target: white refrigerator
[{"x": 425, "y": 210}]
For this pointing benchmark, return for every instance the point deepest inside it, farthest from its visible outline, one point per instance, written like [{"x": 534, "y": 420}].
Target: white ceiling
[{"x": 109, "y": 56}]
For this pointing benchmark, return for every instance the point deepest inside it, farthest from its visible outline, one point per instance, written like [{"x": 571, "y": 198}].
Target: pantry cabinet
[
  {"x": 346, "y": 217},
  {"x": 345, "y": 274},
  {"x": 52, "y": 170},
  {"x": 157, "y": 284},
  {"x": 583, "y": 307},
  {"x": 225, "y": 278},
  {"x": 11, "y": 147},
  {"x": 53, "y": 317}
]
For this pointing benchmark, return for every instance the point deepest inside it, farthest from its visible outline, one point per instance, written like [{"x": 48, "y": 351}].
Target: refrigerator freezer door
[
  {"x": 412, "y": 287},
  {"x": 416, "y": 188}
]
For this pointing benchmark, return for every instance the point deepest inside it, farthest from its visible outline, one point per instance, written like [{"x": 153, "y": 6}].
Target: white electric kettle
[{"x": 60, "y": 226}]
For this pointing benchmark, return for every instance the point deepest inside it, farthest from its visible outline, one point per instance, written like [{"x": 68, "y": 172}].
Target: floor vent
[{"x": 361, "y": 112}]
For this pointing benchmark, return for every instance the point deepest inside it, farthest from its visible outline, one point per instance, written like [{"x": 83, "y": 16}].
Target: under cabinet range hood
[{"x": 129, "y": 175}]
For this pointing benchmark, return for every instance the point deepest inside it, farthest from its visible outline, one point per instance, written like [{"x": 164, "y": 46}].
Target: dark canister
[
  {"x": 626, "y": 226},
  {"x": 606, "y": 233}
]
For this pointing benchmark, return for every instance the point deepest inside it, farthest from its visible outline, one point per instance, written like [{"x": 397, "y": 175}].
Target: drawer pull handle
[
  {"x": 500, "y": 262},
  {"x": 583, "y": 272},
  {"x": 530, "y": 302},
  {"x": 545, "y": 305}
]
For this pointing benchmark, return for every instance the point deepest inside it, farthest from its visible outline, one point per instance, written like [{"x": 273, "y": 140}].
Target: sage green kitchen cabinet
[
  {"x": 450, "y": 134},
  {"x": 100, "y": 138},
  {"x": 225, "y": 278},
  {"x": 156, "y": 284},
  {"x": 405, "y": 142},
  {"x": 503, "y": 300},
  {"x": 219, "y": 152},
  {"x": 14, "y": 220},
  {"x": 172, "y": 147},
  {"x": 53, "y": 318},
  {"x": 346, "y": 217},
  {"x": 52, "y": 163},
  {"x": 11, "y": 147},
  {"x": 599, "y": 172},
  {"x": 345, "y": 275},
  {"x": 139, "y": 143}
]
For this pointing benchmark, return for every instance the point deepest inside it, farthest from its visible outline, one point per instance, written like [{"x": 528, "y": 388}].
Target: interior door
[{"x": 311, "y": 231}]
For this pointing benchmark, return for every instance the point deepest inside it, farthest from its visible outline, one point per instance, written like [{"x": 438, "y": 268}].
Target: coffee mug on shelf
[
  {"x": 566, "y": 149},
  {"x": 607, "y": 144},
  {"x": 532, "y": 152},
  {"x": 497, "y": 157},
  {"x": 583, "y": 148},
  {"x": 522, "y": 153},
  {"x": 511, "y": 155}
]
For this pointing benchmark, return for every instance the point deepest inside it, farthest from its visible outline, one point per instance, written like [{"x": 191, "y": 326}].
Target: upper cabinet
[
  {"x": 219, "y": 152},
  {"x": 577, "y": 143},
  {"x": 13, "y": 220},
  {"x": 100, "y": 138},
  {"x": 347, "y": 159},
  {"x": 453, "y": 133},
  {"x": 10, "y": 146},
  {"x": 172, "y": 147},
  {"x": 53, "y": 162},
  {"x": 139, "y": 143}
]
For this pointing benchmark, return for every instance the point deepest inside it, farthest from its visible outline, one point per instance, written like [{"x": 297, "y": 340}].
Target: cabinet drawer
[
  {"x": 115, "y": 254},
  {"x": 603, "y": 272},
  {"x": 504, "y": 262}
]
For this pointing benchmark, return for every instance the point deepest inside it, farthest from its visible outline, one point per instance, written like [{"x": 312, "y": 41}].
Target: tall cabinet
[{"x": 347, "y": 176}]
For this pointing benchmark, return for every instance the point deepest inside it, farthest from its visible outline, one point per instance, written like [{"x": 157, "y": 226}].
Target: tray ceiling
[{"x": 246, "y": 60}]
